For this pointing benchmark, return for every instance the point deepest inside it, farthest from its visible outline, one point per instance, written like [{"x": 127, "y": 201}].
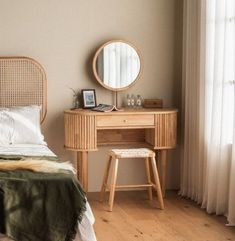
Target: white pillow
[
  {"x": 6, "y": 127},
  {"x": 23, "y": 125}
]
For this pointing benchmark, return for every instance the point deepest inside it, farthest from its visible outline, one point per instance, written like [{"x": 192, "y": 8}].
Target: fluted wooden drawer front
[
  {"x": 125, "y": 120},
  {"x": 80, "y": 132},
  {"x": 166, "y": 130}
]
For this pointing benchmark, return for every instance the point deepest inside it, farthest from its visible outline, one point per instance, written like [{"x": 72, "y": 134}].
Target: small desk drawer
[{"x": 125, "y": 120}]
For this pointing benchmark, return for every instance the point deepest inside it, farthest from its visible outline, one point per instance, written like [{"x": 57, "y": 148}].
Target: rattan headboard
[{"x": 22, "y": 83}]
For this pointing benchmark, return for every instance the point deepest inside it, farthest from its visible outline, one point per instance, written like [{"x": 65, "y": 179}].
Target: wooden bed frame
[{"x": 23, "y": 82}]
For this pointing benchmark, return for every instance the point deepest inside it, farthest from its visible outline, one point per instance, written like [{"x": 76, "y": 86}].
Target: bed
[{"x": 22, "y": 102}]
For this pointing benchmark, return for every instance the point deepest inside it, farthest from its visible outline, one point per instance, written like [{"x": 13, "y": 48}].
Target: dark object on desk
[
  {"x": 105, "y": 108},
  {"x": 153, "y": 103}
]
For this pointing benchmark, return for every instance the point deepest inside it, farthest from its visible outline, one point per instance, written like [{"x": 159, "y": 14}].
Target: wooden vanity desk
[{"x": 85, "y": 130}]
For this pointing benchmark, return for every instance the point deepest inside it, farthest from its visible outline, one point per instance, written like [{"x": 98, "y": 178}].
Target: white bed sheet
[
  {"x": 26, "y": 150},
  {"x": 85, "y": 228}
]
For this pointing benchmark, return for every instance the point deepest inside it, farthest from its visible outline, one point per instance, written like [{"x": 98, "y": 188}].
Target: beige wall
[{"x": 63, "y": 36}]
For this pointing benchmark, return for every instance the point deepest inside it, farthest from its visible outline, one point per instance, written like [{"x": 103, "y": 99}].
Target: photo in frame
[{"x": 88, "y": 98}]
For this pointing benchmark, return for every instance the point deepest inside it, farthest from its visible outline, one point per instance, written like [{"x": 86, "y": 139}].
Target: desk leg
[
  {"x": 82, "y": 167},
  {"x": 163, "y": 166},
  {"x": 79, "y": 167}
]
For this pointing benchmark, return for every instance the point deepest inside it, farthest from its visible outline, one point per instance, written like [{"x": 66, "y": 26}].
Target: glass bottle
[
  {"x": 76, "y": 103},
  {"x": 139, "y": 101},
  {"x": 132, "y": 101},
  {"x": 128, "y": 101}
]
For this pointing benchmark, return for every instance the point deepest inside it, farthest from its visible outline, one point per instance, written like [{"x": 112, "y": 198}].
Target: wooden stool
[{"x": 115, "y": 155}]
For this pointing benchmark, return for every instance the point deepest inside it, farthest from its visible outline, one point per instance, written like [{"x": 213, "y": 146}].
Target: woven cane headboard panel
[{"x": 22, "y": 83}]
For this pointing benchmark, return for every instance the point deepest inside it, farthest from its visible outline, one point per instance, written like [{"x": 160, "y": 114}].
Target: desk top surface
[{"x": 124, "y": 111}]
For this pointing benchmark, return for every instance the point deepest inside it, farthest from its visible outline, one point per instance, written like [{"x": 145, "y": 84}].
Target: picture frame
[{"x": 88, "y": 98}]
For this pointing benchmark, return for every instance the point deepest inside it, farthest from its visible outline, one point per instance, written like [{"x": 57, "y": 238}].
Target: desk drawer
[{"x": 125, "y": 120}]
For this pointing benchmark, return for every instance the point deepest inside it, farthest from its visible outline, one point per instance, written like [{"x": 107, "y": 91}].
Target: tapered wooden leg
[
  {"x": 85, "y": 170},
  {"x": 157, "y": 182},
  {"x": 150, "y": 194},
  {"x": 105, "y": 178},
  {"x": 82, "y": 167},
  {"x": 163, "y": 165},
  {"x": 79, "y": 167},
  {"x": 113, "y": 185}
]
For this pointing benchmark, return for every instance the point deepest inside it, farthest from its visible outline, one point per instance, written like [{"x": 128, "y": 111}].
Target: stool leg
[
  {"x": 105, "y": 179},
  {"x": 157, "y": 182},
  {"x": 150, "y": 194},
  {"x": 113, "y": 185}
]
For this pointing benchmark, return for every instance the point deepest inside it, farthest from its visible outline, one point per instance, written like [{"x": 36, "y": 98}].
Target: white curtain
[{"x": 208, "y": 166}]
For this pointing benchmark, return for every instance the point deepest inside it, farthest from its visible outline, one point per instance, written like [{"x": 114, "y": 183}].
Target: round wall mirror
[{"x": 117, "y": 65}]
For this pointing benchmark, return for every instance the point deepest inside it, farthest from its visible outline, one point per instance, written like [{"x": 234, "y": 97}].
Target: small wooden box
[{"x": 153, "y": 103}]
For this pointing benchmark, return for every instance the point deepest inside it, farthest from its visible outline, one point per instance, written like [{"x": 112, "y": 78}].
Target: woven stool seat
[
  {"x": 132, "y": 153},
  {"x": 116, "y": 155}
]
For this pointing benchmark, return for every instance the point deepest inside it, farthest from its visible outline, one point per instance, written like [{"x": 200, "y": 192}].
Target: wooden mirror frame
[{"x": 95, "y": 60}]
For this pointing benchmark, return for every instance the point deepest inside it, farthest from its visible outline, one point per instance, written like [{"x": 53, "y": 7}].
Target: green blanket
[{"x": 40, "y": 206}]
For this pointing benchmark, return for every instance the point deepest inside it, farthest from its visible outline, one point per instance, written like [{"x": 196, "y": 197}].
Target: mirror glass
[{"x": 117, "y": 65}]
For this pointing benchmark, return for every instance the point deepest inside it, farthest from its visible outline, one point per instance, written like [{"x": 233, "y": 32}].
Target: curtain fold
[
  {"x": 193, "y": 166},
  {"x": 208, "y": 155}
]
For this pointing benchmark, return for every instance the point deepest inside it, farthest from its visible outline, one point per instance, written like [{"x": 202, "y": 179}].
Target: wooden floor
[{"x": 134, "y": 218}]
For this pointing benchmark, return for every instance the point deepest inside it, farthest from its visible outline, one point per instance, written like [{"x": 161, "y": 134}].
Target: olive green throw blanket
[{"x": 38, "y": 206}]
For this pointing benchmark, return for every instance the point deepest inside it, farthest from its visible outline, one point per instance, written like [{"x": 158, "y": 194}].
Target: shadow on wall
[{"x": 54, "y": 136}]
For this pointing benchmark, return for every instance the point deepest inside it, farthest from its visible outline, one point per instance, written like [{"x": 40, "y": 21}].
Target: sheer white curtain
[{"x": 208, "y": 168}]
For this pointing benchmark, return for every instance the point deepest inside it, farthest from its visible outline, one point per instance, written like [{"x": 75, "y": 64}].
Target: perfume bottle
[
  {"x": 139, "y": 101},
  {"x": 132, "y": 101},
  {"x": 128, "y": 101}
]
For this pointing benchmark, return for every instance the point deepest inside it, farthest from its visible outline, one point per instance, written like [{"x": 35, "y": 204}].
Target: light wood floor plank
[{"x": 135, "y": 218}]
